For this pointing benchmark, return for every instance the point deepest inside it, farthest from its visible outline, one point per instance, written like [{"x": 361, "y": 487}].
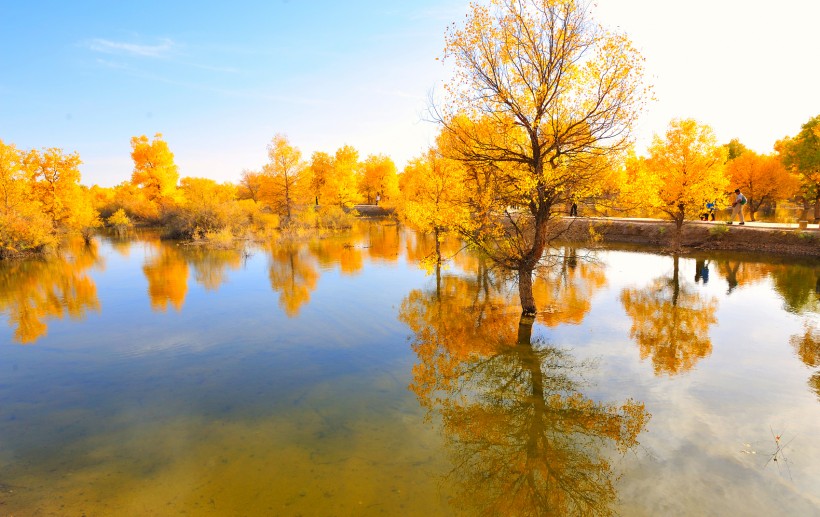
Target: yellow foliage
[
  {"x": 35, "y": 291},
  {"x": 762, "y": 179},
  {"x": 284, "y": 182},
  {"x": 154, "y": 169}
]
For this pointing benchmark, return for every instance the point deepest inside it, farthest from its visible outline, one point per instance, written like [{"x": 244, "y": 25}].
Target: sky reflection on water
[{"x": 144, "y": 377}]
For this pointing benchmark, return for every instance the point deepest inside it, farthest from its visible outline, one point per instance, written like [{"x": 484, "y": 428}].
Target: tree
[
  {"x": 321, "y": 171},
  {"x": 763, "y": 179},
  {"x": 541, "y": 97},
  {"x": 431, "y": 188},
  {"x": 154, "y": 169},
  {"x": 250, "y": 183},
  {"x": 378, "y": 178},
  {"x": 801, "y": 154},
  {"x": 734, "y": 149},
  {"x": 283, "y": 185},
  {"x": 686, "y": 171},
  {"x": 340, "y": 186},
  {"x": 23, "y": 224}
]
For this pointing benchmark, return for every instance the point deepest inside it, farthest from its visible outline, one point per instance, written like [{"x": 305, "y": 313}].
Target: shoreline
[{"x": 697, "y": 235}]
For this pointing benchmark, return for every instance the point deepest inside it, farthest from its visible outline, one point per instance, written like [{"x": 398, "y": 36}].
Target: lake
[{"x": 349, "y": 376}]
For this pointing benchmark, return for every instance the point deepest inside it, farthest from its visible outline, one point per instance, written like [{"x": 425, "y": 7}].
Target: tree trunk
[
  {"x": 817, "y": 207},
  {"x": 525, "y": 329},
  {"x": 525, "y": 292}
]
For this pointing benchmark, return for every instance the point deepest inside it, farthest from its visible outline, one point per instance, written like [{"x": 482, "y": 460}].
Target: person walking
[{"x": 737, "y": 207}]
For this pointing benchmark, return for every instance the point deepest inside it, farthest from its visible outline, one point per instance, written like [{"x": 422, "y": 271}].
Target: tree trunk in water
[
  {"x": 525, "y": 329},
  {"x": 817, "y": 208},
  {"x": 525, "y": 292}
]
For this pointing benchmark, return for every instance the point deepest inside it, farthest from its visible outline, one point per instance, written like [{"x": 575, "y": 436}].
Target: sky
[{"x": 220, "y": 79}]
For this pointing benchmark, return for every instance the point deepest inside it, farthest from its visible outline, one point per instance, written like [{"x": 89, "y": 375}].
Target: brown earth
[{"x": 696, "y": 235}]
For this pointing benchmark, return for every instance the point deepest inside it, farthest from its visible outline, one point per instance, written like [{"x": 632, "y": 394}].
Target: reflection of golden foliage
[
  {"x": 566, "y": 288},
  {"x": 342, "y": 252},
  {"x": 807, "y": 346},
  {"x": 210, "y": 265},
  {"x": 383, "y": 241},
  {"x": 167, "y": 275},
  {"x": 814, "y": 383},
  {"x": 292, "y": 274},
  {"x": 522, "y": 437},
  {"x": 739, "y": 273},
  {"x": 33, "y": 291},
  {"x": 670, "y": 323}
]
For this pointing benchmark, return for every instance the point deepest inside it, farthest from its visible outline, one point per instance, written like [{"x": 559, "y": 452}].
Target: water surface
[{"x": 344, "y": 376}]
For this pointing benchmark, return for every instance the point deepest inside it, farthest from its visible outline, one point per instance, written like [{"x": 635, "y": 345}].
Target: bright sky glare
[{"x": 220, "y": 79}]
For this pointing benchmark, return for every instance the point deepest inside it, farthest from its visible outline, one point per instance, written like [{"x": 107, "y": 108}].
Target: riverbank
[{"x": 699, "y": 235}]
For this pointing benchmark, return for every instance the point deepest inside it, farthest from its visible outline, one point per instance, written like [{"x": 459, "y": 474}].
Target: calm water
[{"x": 338, "y": 377}]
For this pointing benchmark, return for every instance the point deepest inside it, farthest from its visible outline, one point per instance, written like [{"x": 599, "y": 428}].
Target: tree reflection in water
[
  {"x": 807, "y": 347},
  {"x": 524, "y": 439},
  {"x": 37, "y": 290},
  {"x": 292, "y": 274},
  {"x": 670, "y": 322}
]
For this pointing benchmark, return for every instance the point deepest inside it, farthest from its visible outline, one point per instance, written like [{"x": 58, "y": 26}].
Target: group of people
[{"x": 737, "y": 209}]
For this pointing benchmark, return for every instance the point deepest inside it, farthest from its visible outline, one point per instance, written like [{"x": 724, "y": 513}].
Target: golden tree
[
  {"x": 284, "y": 181},
  {"x": 763, "y": 179},
  {"x": 250, "y": 184},
  {"x": 24, "y": 226},
  {"x": 321, "y": 171},
  {"x": 154, "y": 169},
  {"x": 801, "y": 154},
  {"x": 339, "y": 187},
  {"x": 670, "y": 322},
  {"x": 541, "y": 97},
  {"x": 55, "y": 185},
  {"x": 378, "y": 178},
  {"x": 686, "y": 170},
  {"x": 432, "y": 187}
]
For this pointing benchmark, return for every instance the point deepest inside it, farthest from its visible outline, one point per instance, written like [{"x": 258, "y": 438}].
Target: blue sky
[{"x": 220, "y": 79}]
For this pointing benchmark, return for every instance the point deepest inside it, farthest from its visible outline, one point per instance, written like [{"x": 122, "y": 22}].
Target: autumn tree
[
  {"x": 284, "y": 181},
  {"x": 154, "y": 169},
  {"x": 23, "y": 224},
  {"x": 432, "y": 187},
  {"x": 685, "y": 171},
  {"x": 734, "y": 149},
  {"x": 541, "y": 97},
  {"x": 378, "y": 178},
  {"x": 801, "y": 154},
  {"x": 250, "y": 184},
  {"x": 339, "y": 187},
  {"x": 321, "y": 171},
  {"x": 205, "y": 207},
  {"x": 763, "y": 179}
]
